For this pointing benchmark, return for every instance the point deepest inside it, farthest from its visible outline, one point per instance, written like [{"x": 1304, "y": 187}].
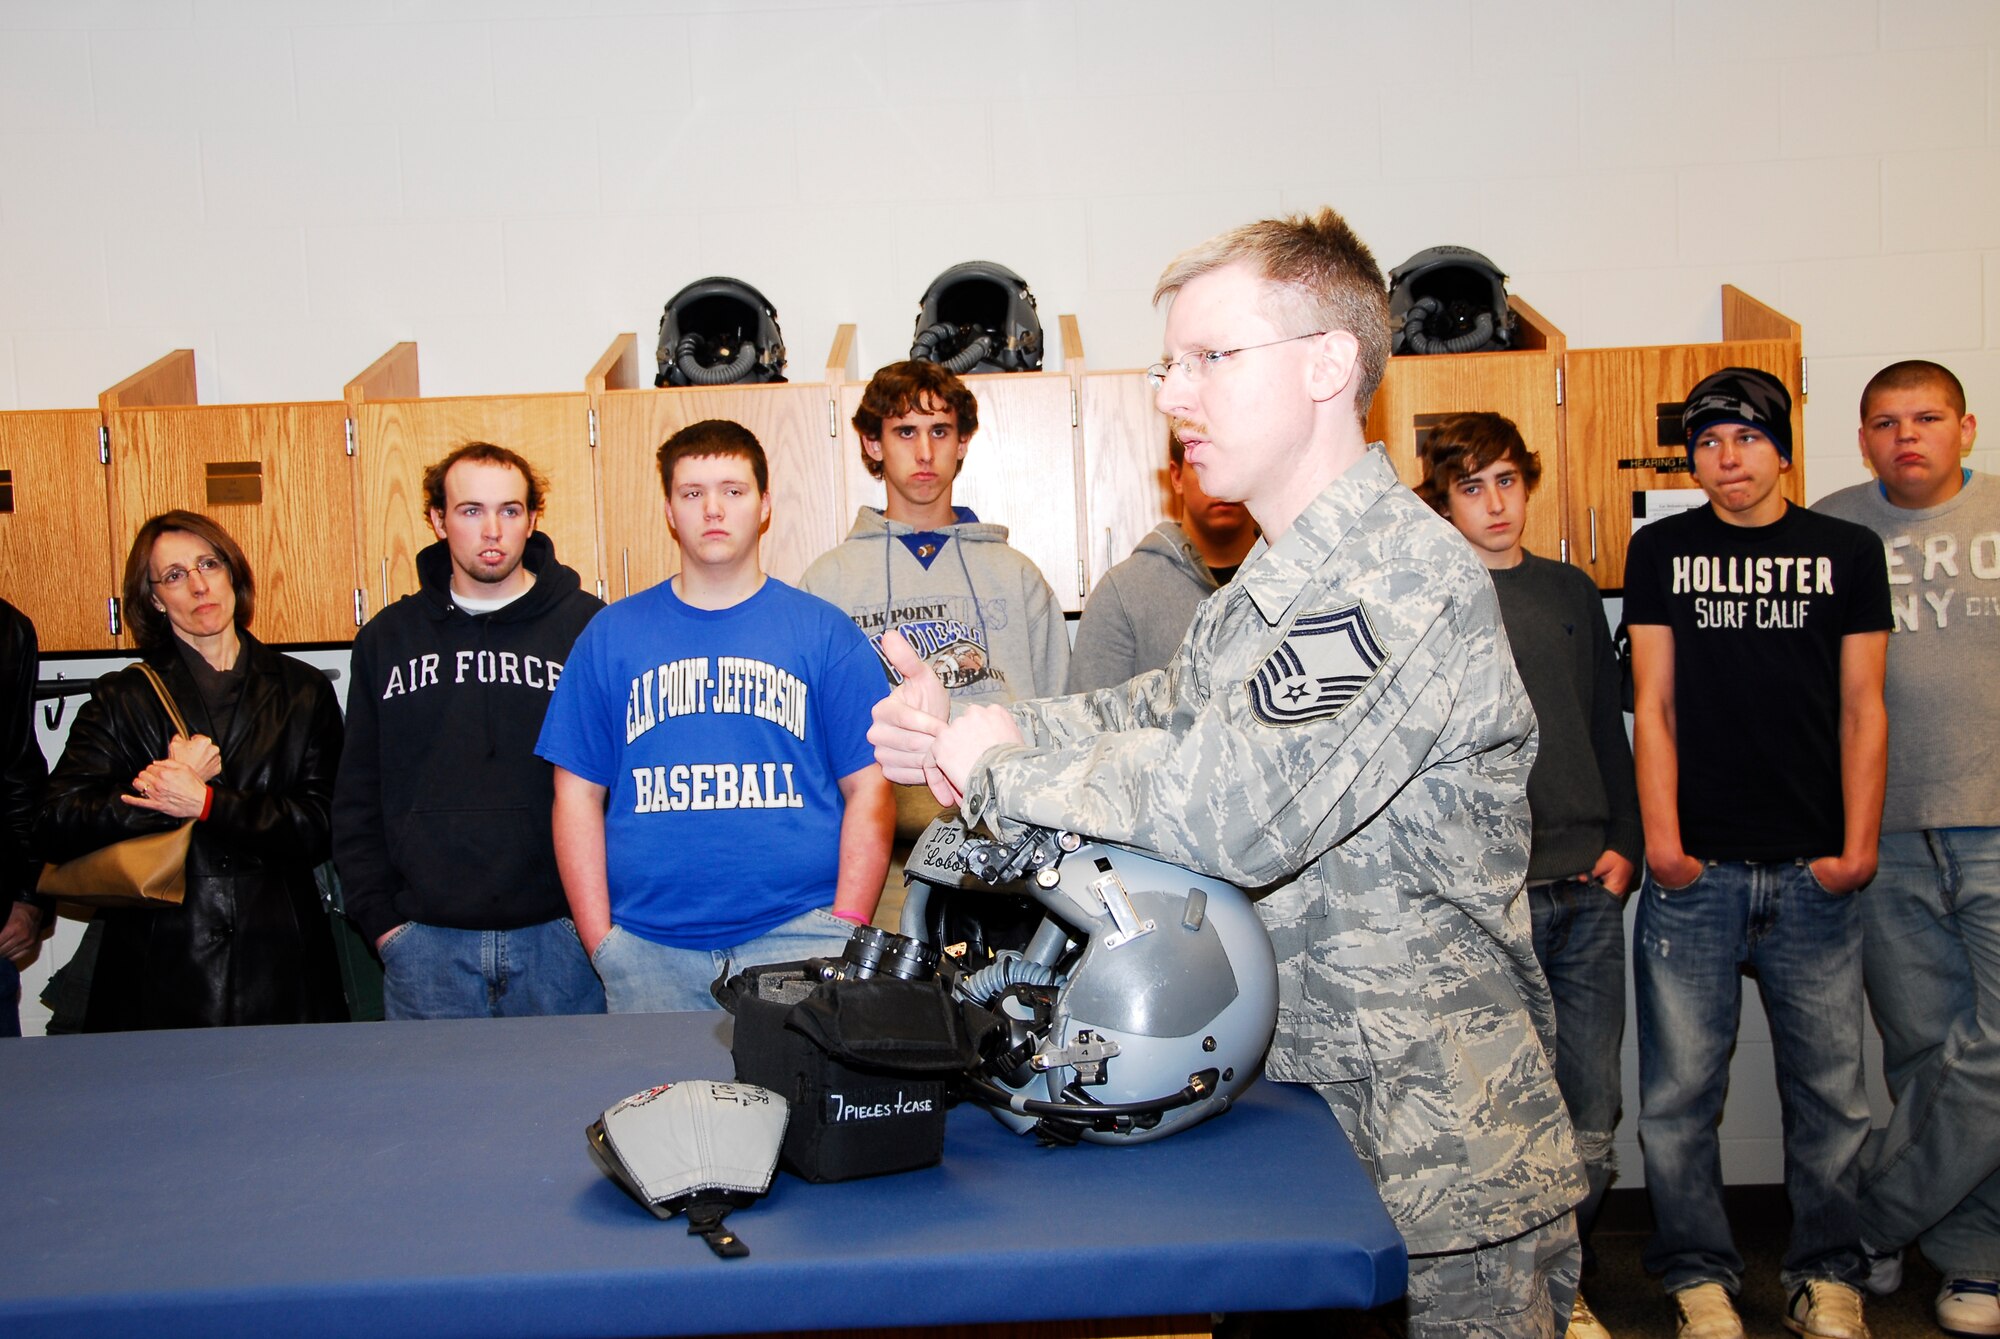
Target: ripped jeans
[{"x": 1579, "y": 931}]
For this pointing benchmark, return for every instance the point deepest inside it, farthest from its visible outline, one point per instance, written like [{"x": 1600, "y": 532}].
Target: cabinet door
[
  {"x": 1126, "y": 492},
  {"x": 276, "y": 476},
  {"x": 1519, "y": 384},
  {"x": 792, "y": 423},
  {"x": 399, "y": 439},
  {"x": 1625, "y": 437},
  {"x": 1021, "y": 471},
  {"x": 56, "y": 546}
]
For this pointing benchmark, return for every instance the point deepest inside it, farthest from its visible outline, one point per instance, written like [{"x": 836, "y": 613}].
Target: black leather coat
[
  {"x": 22, "y": 771},
  {"x": 251, "y": 943}
]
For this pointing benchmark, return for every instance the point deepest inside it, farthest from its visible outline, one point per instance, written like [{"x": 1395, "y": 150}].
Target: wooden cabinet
[
  {"x": 276, "y": 476},
  {"x": 1522, "y": 383},
  {"x": 1126, "y": 492},
  {"x": 792, "y": 422},
  {"x": 55, "y": 541},
  {"x": 1623, "y": 407},
  {"x": 397, "y": 440},
  {"x": 399, "y": 435}
]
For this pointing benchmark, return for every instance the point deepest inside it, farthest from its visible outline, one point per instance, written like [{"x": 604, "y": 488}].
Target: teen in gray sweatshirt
[
  {"x": 978, "y": 611},
  {"x": 1139, "y": 613}
]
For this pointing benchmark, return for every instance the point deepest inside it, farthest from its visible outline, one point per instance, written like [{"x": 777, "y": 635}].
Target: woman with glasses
[{"x": 251, "y": 942}]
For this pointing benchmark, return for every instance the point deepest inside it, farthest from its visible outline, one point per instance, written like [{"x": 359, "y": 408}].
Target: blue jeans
[
  {"x": 1930, "y": 928},
  {"x": 1803, "y": 944},
  {"x": 642, "y": 977},
  {"x": 430, "y": 971},
  {"x": 1580, "y": 942}
]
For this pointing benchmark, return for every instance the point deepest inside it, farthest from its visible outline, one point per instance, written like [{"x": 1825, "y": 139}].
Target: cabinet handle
[{"x": 1593, "y": 534}]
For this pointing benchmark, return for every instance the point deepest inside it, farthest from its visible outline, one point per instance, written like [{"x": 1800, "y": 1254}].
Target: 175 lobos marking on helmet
[
  {"x": 1321, "y": 666},
  {"x": 838, "y": 1108}
]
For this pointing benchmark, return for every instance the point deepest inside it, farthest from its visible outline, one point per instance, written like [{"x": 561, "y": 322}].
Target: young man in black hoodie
[{"x": 441, "y": 810}]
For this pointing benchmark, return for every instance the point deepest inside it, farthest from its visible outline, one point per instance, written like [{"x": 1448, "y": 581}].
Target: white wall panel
[
  {"x": 403, "y": 273},
  {"x": 392, "y": 73},
  {"x": 1655, "y": 111},
  {"x": 52, "y": 276},
  {"x": 1940, "y": 201},
  {"x": 1885, "y": 102},
  {"x": 52, "y": 177},
  {"x": 1772, "y": 31},
  {"x": 160, "y": 276},
  {"x": 1780, "y": 211},
  {"x": 301, "y": 174},
  {"x": 557, "y": 67},
  {"x": 45, "y": 81},
  {"x": 205, "y": 77}
]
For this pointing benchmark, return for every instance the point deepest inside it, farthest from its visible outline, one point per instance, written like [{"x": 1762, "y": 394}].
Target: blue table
[{"x": 432, "y": 1179}]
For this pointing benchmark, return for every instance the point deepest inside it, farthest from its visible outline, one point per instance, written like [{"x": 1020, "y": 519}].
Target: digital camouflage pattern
[{"x": 1344, "y": 732}]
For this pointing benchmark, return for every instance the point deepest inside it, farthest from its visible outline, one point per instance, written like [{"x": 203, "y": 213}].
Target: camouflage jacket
[{"x": 1344, "y": 730}]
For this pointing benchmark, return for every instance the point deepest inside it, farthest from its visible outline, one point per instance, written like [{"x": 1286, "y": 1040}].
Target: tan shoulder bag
[{"x": 137, "y": 872}]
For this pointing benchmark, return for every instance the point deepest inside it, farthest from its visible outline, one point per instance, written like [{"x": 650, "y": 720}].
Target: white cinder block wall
[{"x": 290, "y": 187}]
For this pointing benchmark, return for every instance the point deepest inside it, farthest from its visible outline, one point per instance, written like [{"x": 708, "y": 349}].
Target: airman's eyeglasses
[{"x": 1198, "y": 361}]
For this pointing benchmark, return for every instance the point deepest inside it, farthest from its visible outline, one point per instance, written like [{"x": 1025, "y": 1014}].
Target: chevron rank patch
[{"x": 1321, "y": 666}]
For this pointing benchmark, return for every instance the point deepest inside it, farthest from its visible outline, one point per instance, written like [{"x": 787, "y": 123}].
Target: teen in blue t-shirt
[{"x": 717, "y": 801}]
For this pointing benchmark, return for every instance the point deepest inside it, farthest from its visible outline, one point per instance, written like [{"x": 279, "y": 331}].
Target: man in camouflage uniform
[{"x": 1344, "y": 729}]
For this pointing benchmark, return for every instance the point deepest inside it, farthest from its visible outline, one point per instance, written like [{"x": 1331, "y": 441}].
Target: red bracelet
[
  {"x": 207, "y": 803},
  {"x": 851, "y": 917}
]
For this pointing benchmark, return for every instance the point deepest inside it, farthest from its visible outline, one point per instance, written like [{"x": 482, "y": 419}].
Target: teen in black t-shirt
[{"x": 1759, "y": 636}]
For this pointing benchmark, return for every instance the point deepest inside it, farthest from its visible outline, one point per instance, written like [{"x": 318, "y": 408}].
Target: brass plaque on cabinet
[
  {"x": 235, "y": 482},
  {"x": 6, "y": 491},
  {"x": 1657, "y": 464}
]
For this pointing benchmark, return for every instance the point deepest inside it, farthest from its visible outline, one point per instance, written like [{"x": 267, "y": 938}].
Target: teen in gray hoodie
[
  {"x": 1137, "y": 616},
  {"x": 977, "y": 610}
]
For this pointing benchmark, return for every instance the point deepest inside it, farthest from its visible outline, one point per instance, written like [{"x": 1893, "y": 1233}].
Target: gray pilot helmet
[{"x": 1144, "y": 1004}]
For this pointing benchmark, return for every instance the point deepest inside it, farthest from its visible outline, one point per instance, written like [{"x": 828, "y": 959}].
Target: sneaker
[
  {"x": 1826, "y": 1309},
  {"x": 1885, "y": 1270},
  {"x": 1583, "y": 1324},
  {"x": 1706, "y": 1312},
  {"x": 1969, "y": 1307}
]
